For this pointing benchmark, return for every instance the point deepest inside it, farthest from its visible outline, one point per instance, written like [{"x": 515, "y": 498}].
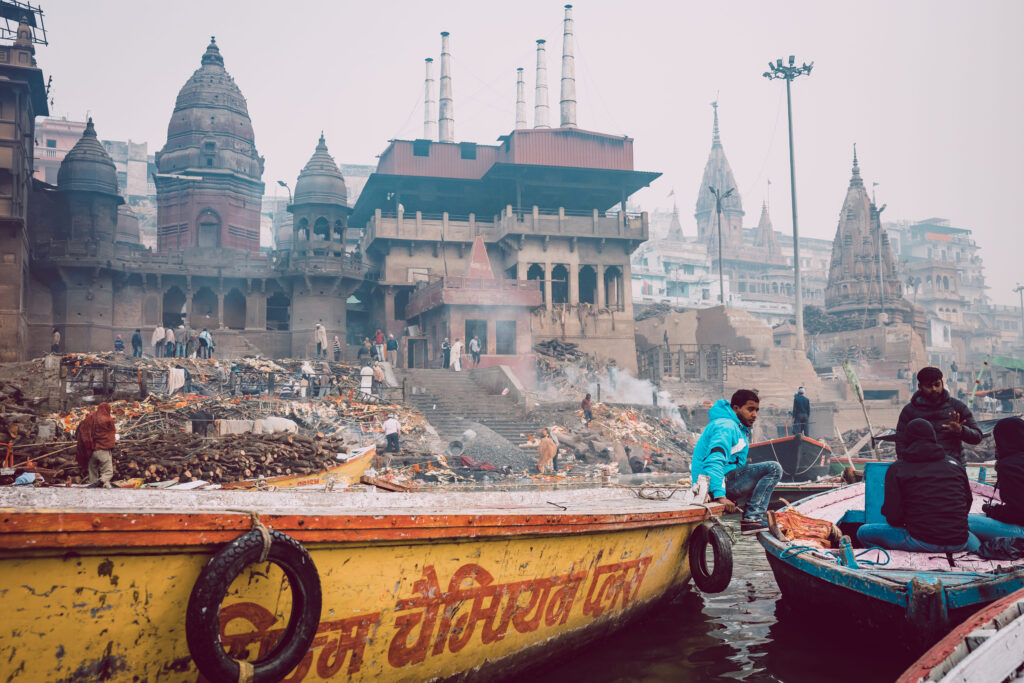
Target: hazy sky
[{"x": 931, "y": 92}]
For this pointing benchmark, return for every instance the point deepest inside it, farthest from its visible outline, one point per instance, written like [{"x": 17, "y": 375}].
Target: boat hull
[
  {"x": 346, "y": 473},
  {"x": 802, "y": 458},
  {"x": 405, "y": 596}
]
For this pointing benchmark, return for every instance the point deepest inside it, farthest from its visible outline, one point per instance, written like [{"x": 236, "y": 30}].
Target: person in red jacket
[
  {"x": 588, "y": 409},
  {"x": 96, "y": 437}
]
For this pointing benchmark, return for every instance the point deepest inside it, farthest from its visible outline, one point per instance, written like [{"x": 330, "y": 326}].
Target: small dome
[
  {"x": 127, "y": 226},
  {"x": 88, "y": 167},
  {"x": 321, "y": 181}
]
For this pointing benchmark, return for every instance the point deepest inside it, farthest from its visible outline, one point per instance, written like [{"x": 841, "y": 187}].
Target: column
[
  {"x": 600, "y": 287},
  {"x": 220, "y": 310},
  {"x": 547, "y": 285},
  {"x": 574, "y": 284}
]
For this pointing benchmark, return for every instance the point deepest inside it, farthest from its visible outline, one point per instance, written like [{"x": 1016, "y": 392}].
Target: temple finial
[{"x": 715, "y": 139}]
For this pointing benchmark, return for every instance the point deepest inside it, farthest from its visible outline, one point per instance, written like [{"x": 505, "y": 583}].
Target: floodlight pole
[{"x": 776, "y": 71}]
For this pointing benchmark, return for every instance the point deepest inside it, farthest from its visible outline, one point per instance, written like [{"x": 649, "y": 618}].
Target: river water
[{"x": 741, "y": 634}]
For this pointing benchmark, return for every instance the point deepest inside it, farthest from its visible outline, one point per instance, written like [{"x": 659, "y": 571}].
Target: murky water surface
[{"x": 742, "y": 634}]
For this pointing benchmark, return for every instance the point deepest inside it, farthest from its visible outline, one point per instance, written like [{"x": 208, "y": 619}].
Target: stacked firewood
[{"x": 186, "y": 457}]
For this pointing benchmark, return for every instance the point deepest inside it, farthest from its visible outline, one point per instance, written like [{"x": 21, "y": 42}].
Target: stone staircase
[{"x": 449, "y": 399}]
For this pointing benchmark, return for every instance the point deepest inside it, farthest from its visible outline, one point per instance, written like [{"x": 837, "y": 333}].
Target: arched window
[
  {"x": 559, "y": 284},
  {"x": 208, "y": 229},
  {"x": 613, "y": 295},
  {"x": 174, "y": 307},
  {"x": 588, "y": 285},
  {"x": 536, "y": 272},
  {"x": 204, "y": 310},
  {"x": 278, "y": 311},
  {"x": 322, "y": 229}
]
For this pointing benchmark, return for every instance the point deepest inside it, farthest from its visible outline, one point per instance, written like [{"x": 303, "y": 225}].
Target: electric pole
[{"x": 718, "y": 209}]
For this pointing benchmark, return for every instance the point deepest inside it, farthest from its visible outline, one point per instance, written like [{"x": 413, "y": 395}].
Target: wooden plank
[{"x": 994, "y": 660}]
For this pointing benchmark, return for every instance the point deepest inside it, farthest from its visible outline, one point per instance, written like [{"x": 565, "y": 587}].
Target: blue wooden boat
[{"x": 913, "y": 597}]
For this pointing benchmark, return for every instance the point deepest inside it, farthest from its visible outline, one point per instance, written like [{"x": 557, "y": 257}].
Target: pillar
[
  {"x": 547, "y": 285},
  {"x": 600, "y": 287},
  {"x": 574, "y": 284},
  {"x": 220, "y": 310}
]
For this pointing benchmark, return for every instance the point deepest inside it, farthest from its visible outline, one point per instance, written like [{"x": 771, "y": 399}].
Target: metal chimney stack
[
  {"x": 520, "y": 99},
  {"x": 541, "y": 111},
  {"x": 429, "y": 104},
  {"x": 568, "y": 101},
  {"x": 446, "y": 130}
]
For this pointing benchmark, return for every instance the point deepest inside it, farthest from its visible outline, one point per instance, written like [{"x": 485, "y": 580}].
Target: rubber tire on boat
[
  {"x": 202, "y": 618},
  {"x": 718, "y": 580}
]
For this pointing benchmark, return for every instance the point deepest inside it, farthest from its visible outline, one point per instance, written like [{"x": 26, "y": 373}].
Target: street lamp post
[
  {"x": 776, "y": 71},
  {"x": 718, "y": 209},
  {"x": 285, "y": 186}
]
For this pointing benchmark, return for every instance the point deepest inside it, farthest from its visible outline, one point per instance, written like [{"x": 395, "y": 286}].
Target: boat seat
[{"x": 874, "y": 491}]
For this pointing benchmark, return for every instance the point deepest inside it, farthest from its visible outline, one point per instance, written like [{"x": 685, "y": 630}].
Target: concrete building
[
  {"x": 549, "y": 204},
  {"x": 54, "y": 138}
]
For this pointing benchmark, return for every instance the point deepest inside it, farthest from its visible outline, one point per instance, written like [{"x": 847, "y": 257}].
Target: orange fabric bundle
[{"x": 793, "y": 526}]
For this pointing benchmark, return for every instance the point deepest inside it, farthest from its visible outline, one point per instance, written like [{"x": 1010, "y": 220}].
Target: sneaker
[{"x": 748, "y": 527}]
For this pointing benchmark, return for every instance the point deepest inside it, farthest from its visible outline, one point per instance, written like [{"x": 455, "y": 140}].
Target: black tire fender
[
  {"x": 713, "y": 534},
  {"x": 202, "y": 618}
]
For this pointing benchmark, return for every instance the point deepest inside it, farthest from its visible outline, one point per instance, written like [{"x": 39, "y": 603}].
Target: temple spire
[
  {"x": 856, "y": 180},
  {"x": 715, "y": 139}
]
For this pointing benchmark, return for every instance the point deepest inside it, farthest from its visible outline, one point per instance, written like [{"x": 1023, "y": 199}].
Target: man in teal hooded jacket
[{"x": 721, "y": 454}]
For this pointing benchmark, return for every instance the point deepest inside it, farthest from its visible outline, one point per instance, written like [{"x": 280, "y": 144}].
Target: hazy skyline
[{"x": 930, "y": 91}]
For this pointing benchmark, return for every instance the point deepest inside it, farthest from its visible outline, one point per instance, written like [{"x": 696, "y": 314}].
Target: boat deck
[{"x": 900, "y": 565}]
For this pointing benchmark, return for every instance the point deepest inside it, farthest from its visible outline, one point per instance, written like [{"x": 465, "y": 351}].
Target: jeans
[
  {"x": 392, "y": 442},
  {"x": 985, "y": 528},
  {"x": 755, "y": 481},
  {"x": 136, "y": 352},
  {"x": 898, "y": 538},
  {"x": 800, "y": 426}
]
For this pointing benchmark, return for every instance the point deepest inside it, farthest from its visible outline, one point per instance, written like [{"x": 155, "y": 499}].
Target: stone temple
[{"x": 544, "y": 208}]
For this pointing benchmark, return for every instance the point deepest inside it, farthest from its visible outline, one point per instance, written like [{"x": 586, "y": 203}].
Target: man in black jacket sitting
[
  {"x": 1006, "y": 519},
  {"x": 952, "y": 420},
  {"x": 927, "y": 500}
]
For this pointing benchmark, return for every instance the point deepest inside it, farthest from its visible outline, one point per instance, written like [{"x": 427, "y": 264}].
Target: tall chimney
[
  {"x": 446, "y": 130},
  {"x": 541, "y": 110},
  {"x": 429, "y": 104},
  {"x": 568, "y": 101},
  {"x": 520, "y": 99}
]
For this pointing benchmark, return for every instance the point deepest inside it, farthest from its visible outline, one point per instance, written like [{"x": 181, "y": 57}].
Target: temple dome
[
  {"x": 127, "y": 226},
  {"x": 210, "y": 126},
  {"x": 88, "y": 167},
  {"x": 321, "y": 182}
]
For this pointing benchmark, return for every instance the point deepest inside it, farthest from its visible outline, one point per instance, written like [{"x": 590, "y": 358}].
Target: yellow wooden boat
[
  {"x": 347, "y": 472},
  {"x": 129, "y": 585}
]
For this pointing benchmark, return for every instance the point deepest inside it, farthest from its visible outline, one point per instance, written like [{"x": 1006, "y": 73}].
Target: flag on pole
[
  {"x": 851, "y": 377},
  {"x": 672, "y": 193}
]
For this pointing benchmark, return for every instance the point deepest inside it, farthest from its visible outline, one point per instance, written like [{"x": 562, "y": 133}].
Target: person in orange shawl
[
  {"x": 96, "y": 437},
  {"x": 547, "y": 448}
]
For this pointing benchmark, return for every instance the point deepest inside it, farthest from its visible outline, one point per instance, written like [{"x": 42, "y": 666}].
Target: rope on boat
[
  {"x": 258, "y": 525},
  {"x": 868, "y": 550}
]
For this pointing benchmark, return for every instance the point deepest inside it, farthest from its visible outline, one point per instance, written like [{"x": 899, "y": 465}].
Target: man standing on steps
[
  {"x": 474, "y": 350},
  {"x": 801, "y": 412},
  {"x": 392, "y": 428},
  {"x": 392, "y": 349},
  {"x": 721, "y": 455}
]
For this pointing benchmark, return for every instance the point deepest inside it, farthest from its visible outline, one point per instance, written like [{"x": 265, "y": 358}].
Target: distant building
[{"x": 54, "y": 138}]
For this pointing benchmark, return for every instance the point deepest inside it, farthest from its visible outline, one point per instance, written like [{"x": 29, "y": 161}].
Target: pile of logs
[
  {"x": 564, "y": 351},
  {"x": 187, "y": 457}
]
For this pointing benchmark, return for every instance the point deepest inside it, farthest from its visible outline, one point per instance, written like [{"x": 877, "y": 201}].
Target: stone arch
[
  {"x": 234, "y": 310},
  {"x": 278, "y": 311},
  {"x": 775, "y": 288},
  {"x": 173, "y": 314},
  {"x": 322, "y": 229},
  {"x": 339, "y": 232},
  {"x": 613, "y": 288},
  {"x": 588, "y": 285},
  {"x": 303, "y": 229},
  {"x": 559, "y": 284},
  {"x": 208, "y": 229},
  {"x": 204, "y": 310},
  {"x": 536, "y": 272}
]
